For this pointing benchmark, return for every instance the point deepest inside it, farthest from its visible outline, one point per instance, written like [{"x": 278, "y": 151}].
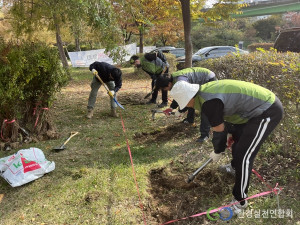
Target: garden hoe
[
  {"x": 108, "y": 91},
  {"x": 149, "y": 94},
  {"x": 62, "y": 147},
  {"x": 158, "y": 111},
  {"x": 192, "y": 176}
]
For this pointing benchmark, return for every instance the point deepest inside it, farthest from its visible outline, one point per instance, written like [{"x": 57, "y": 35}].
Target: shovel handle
[
  {"x": 148, "y": 95},
  {"x": 69, "y": 138},
  {"x": 98, "y": 77},
  {"x": 108, "y": 91}
]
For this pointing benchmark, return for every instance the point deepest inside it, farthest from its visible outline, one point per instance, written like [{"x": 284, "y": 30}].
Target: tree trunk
[
  {"x": 61, "y": 47},
  {"x": 186, "y": 15},
  {"x": 77, "y": 44},
  {"x": 141, "y": 38},
  {"x": 127, "y": 37},
  {"x": 91, "y": 44}
]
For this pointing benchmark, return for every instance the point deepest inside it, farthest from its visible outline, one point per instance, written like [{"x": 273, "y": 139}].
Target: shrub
[
  {"x": 266, "y": 46},
  {"x": 31, "y": 74},
  {"x": 279, "y": 72}
]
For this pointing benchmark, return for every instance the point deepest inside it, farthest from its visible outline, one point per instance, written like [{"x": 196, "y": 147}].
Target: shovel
[
  {"x": 192, "y": 176},
  {"x": 108, "y": 91},
  {"x": 62, "y": 147}
]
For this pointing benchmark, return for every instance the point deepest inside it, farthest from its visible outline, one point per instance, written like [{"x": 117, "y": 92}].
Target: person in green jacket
[
  {"x": 153, "y": 63},
  {"x": 246, "y": 110},
  {"x": 194, "y": 75}
]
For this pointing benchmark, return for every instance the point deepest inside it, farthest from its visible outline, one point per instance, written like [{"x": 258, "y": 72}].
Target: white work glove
[
  {"x": 94, "y": 71},
  {"x": 178, "y": 114},
  {"x": 215, "y": 157}
]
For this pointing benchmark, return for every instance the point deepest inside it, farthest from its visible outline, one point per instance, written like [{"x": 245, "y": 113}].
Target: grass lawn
[{"x": 93, "y": 181}]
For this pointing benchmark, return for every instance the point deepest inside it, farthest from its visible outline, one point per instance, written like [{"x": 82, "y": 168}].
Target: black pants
[
  {"x": 164, "y": 94},
  {"x": 247, "y": 140},
  {"x": 204, "y": 124}
]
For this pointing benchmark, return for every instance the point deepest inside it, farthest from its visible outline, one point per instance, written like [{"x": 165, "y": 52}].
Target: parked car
[
  {"x": 178, "y": 52},
  {"x": 288, "y": 40},
  {"x": 213, "y": 52},
  {"x": 166, "y": 49}
]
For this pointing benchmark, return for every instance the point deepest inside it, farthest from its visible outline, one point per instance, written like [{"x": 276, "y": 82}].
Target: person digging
[
  {"x": 253, "y": 112},
  {"x": 112, "y": 77},
  {"x": 195, "y": 75},
  {"x": 153, "y": 63}
]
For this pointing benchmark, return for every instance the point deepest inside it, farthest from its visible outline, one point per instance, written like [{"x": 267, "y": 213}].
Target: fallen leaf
[{"x": 1, "y": 197}]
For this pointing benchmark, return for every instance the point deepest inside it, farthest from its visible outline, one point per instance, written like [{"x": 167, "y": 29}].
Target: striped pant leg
[{"x": 254, "y": 134}]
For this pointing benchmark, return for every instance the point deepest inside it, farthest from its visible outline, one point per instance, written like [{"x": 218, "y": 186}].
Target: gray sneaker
[
  {"x": 232, "y": 210},
  {"x": 90, "y": 113},
  {"x": 227, "y": 169},
  {"x": 202, "y": 139},
  {"x": 114, "y": 113}
]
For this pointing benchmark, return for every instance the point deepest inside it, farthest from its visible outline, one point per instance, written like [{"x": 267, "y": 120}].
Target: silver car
[{"x": 213, "y": 52}]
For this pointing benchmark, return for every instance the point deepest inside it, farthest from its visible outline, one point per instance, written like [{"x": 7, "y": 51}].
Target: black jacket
[{"x": 108, "y": 73}]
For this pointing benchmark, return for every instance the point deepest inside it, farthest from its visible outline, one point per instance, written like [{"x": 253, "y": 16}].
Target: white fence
[{"x": 85, "y": 58}]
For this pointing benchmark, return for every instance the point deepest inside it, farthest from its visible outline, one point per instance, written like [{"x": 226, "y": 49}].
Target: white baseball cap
[{"x": 183, "y": 92}]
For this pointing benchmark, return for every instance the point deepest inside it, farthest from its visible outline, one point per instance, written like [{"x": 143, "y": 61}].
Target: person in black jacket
[
  {"x": 112, "y": 77},
  {"x": 154, "y": 63}
]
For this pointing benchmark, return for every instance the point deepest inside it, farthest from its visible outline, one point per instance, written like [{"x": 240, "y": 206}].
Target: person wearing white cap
[
  {"x": 246, "y": 110},
  {"x": 194, "y": 75}
]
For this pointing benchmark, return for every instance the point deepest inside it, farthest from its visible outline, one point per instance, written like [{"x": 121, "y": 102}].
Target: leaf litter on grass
[{"x": 83, "y": 166}]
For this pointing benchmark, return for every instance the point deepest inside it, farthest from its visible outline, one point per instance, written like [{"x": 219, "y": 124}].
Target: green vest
[
  {"x": 150, "y": 66},
  {"x": 195, "y": 75},
  {"x": 242, "y": 100}
]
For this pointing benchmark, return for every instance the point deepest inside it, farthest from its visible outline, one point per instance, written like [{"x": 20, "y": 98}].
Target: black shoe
[
  {"x": 187, "y": 121},
  {"x": 164, "y": 104},
  {"x": 202, "y": 139},
  {"x": 151, "y": 102}
]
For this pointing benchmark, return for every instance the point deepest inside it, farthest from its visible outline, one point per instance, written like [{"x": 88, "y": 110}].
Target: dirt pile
[{"x": 173, "y": 198}]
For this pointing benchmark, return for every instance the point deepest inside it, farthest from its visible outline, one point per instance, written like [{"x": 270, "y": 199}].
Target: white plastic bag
[{"x": 24, "y": 166}]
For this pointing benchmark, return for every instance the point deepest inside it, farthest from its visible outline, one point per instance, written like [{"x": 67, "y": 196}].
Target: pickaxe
[
  {"x": 108, "y": 91},
  {"x": 158, "y": 111},
  {"x": 192, "y": 176}
]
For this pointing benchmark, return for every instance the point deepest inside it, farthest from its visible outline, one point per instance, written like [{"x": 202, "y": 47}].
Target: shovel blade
[
  {"x": 118, "y": 104},
  {"x": 62, "y": 147}
]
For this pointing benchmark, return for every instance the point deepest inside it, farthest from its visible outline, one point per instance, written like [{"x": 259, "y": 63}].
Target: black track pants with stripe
[{"x": 247, "y": 140}]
